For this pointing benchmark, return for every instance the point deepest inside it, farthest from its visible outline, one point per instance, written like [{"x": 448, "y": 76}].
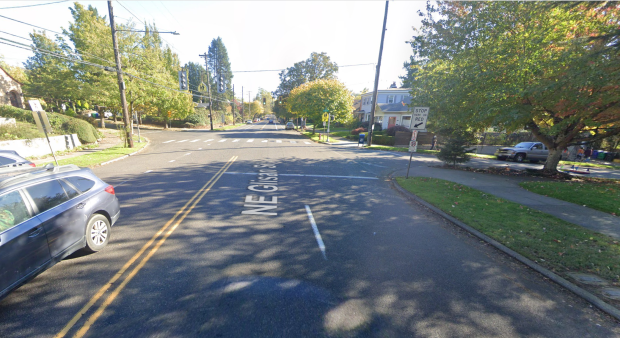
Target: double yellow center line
[{"x": 184, "y": 211}]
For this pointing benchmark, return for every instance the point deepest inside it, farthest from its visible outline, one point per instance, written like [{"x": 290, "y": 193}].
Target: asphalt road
[{"x": 334, "y": 251}]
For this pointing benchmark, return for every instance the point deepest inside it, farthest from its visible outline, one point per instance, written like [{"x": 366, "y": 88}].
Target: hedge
[{"x": 61, "y": 124}]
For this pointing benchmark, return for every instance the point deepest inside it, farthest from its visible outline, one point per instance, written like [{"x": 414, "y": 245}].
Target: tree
[
  {"x": 196, "y": 74},
  {"x": 18, "y": 73},
  {"x": 317, "y": 66},
  {"x": 311, "y": 99},
  {"x": 264, "y": 94},
  {"x": 516, "y": 65},
  {"x": 219, "y": 64}
]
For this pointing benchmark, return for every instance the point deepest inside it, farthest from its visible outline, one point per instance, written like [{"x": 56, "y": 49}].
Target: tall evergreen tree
[{"x": 219, "y": 64}]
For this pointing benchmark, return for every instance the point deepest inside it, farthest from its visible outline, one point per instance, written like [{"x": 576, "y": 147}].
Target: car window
[
  {"x": 6, "y": 160},
  {"x": 84, "y": 184},
  {"x": 47, "y": 195},
  {"x": 69, "y": 190},
  {"x": 12, "y": 210}
]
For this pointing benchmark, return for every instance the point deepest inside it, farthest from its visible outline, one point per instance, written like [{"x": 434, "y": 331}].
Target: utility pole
[
  {"x": 233, "y": 102},
  {"x": 209, "y": 89},
  {"x": 250, "y": 103},
  {"x": 371, "y": 123},
  {"x": 242, "y": 106},
  {"x": 119, "y": 74}
]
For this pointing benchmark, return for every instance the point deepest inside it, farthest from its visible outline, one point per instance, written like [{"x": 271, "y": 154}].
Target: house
[
  {"x": 10, "y": 90},
  {"x": 392, "y": 107}
]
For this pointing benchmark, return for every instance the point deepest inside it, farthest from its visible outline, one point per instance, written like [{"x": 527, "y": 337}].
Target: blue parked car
[{"x": 48, "y": 213}]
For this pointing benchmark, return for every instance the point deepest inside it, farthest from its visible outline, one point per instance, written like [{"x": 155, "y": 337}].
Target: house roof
[
  {"x": 9, "y": 75},
  {"x": 389, "y": 90},
  {"x": 397, "y": 107}
]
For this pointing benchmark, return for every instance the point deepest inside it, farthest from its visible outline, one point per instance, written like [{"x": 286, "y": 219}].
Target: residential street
[{"x": 259, "y": 232}]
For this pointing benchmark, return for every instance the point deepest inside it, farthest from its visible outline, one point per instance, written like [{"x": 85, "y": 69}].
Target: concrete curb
[
  {"x": 125, "y": 156},
  {"x": 594, "y": 300}
]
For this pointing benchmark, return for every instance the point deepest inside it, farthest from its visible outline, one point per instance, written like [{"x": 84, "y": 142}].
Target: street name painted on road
[{"x": 266, "y": 183}]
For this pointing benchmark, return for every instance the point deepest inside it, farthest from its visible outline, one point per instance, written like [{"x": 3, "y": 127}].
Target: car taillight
[
  {"x": 110, "y": 189},
  {"x": 32, "y": 165}
]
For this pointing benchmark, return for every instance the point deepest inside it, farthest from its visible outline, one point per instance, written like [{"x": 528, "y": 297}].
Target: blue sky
[{"x": 259, "y": 35}]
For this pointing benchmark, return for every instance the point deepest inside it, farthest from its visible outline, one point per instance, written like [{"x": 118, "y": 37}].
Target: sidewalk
[
  {"x": 109, "y": 141},
  {"x": 507, "y": 187}
]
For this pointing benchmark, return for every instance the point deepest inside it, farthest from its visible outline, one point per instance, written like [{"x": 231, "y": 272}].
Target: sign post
[
  {"x": 325, "y": 119},
  {"x": 43, "y": 123},
  {"x": 413, "y": 147}
]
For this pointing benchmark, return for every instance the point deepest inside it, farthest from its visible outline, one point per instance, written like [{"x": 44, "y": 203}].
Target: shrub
[
  {"x": 61, "y": 124},
  {"x": 455, "y": 149},
  {"x": 383, "y": 140},
  {"x": 70, "y": 112},
  {"x": 19, "y": 131},
  {"x": 196, "y": 119},
  {"x": 358, "y": 131},
  {"x": 378, "y": 126},
  {"x": 391, "y": 131}
]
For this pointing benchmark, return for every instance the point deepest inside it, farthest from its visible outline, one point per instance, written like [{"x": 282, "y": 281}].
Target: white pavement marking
[
  {"x": 223, "y": 140},
  {"x": 171, "y": 160},
  {"x": 308, "y": 175},
  {"x": 307, "y": 142},
  {"x": 169, "y": 141},
  {"x": 118, "y": 185},
  {"x": 209, "y": 140},
  {"x": 237, "y": 140},
  {"x": 148, "y": 171},
  {"x": 199, "y": 148},
  {"x": 376, "y": 165},
  {"x": 265, "y": 125},
  {"x": 278, "y": 141},
  {"x": 293, "y": 142},
  {"x": 182, "y": 141},
  {"x": 251, "y": 140},
  {"x": 276, "y": 127},
  {"x": 317, "y": 235},
  {"x": 186, "y": 154},
  {"x": 194, "y": 141},
  {"x": 265, "y": 141}
]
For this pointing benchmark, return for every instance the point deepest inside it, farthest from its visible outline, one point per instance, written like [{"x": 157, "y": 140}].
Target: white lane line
[
  {"x": 265, "y": 125},
  {"x": 308, "y": 175},
  {"x": 237, "y": 140},
  {"x": 118, "y": 185},
  {"x": 376, "y": 165},
  {"x": 148, "y": 171},
  {"x": 169, "y": 141},
  {"x": 251, "y": 140},
  {"x": 276, "y": 126},
  {"x": 317, "y": 235},
  {"x": 293, "y": 142},
  {"x": 307, "y": 142},
  {"x": 182, "y": 141},
  {"x": 223, "y": 140},
  {"x": 209, "y": 140},
  {"x": 265, "y": 141},
  {"x": 278, "y": 141},
  {"x": 186, "y": 154},
  {"x": 194, "y": 141},
  {"x": 171, "y": 160}
]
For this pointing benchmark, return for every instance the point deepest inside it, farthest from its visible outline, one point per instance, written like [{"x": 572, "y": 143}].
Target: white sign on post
[
  {"x": 413, "y": 144},
  {"x": 35, "y": 105},
  {"x": 420, "y": 115}
]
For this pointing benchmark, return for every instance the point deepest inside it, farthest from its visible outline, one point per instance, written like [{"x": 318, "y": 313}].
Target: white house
[{"x": 392, "y": 107}]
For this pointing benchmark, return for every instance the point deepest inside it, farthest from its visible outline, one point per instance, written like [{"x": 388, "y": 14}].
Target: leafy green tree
[
  {"x": 317, "y": 66},
  {"x": 196, "y": 75},
  {"x": 219, "y": 64},
  {"x": 515, "y": 65},
  {"x": 311, "y": 99},
  {"x": 18, "y": 73},
  {"x": 264, "y": 94}
]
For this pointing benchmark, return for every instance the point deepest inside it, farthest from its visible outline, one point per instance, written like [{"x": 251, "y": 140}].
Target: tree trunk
[
  {"x": 553, "y": 159},
  {"x": 165, "y": 123}
]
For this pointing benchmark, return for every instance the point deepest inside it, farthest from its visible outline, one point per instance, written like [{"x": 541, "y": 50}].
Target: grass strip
[
  {"x": 229, "y": 127},
  {"x": 93, "y": 159},
  {"x": 551, "y": 242},
  {"x": 602, "y": 196},
  {"x": 590, "y": 165},
  {"x": 389, "y": 148}
]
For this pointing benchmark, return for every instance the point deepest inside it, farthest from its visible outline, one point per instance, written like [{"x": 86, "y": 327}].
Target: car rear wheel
[
  {"x": 97, "y": 233},
  {"x": 519, "y": 158}
]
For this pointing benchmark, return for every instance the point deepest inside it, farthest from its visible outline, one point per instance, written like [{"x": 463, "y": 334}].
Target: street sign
[
  {"x": 420, "y": 115},
  {"x": 35, "y": 105},
  {"x": 413, "y": 146},
  {"x": 43, "y": 124},
  {"x": 325, "y": 117}
]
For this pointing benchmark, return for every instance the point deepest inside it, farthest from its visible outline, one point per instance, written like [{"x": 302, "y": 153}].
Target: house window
[
  {"x": 390, "y": 99},
  {"x": 379, "y": 119}
]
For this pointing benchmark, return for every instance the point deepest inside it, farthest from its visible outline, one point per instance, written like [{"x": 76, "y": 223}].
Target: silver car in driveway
[
  {"x": 532, "y": 151},
  {"x": 48, "y": 213}
]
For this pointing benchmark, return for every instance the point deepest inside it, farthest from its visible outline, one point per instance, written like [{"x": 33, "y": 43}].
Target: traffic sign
[
  {"x": 420, "y": 115},
  {"x": 325, "y": 117},
  {"x": 35, "y": 105}
]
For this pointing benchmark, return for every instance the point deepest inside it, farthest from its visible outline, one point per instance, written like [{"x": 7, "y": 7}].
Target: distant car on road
[
  {"x": 289, "y": 125},
  {"x": 11, "y": 159},
  {"x": 48, "y": 213},
  {"x": 270, "y": 122},
  {"x": 532, "y": 151},
  {"x": 248, "y": 122}
]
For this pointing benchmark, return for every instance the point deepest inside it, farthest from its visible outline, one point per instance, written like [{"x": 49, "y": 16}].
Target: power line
[
  {"x": 2, "y": 16},
  {"x": 279, "y": 70},
  {"x": 17, "y": 36},
  {"x": 131, "y": 13},
  {"x": 49, "y": 3}
]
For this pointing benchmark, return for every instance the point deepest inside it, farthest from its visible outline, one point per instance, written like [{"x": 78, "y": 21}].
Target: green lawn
[
  {"x": 390, "y": 148},
  {"x": 93, "y": 159},
  {"x": 553, "y": 243},
  {"x": 603, "y": 196},
  {"x": 229, "y": 127},
  {"x": 590, "y": 165}
]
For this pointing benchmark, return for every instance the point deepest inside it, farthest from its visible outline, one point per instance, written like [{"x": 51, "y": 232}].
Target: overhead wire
[{"x": 49, "y": 3}]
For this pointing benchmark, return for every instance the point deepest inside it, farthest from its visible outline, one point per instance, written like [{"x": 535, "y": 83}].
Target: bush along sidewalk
[{"x": 558, "y": 246}]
